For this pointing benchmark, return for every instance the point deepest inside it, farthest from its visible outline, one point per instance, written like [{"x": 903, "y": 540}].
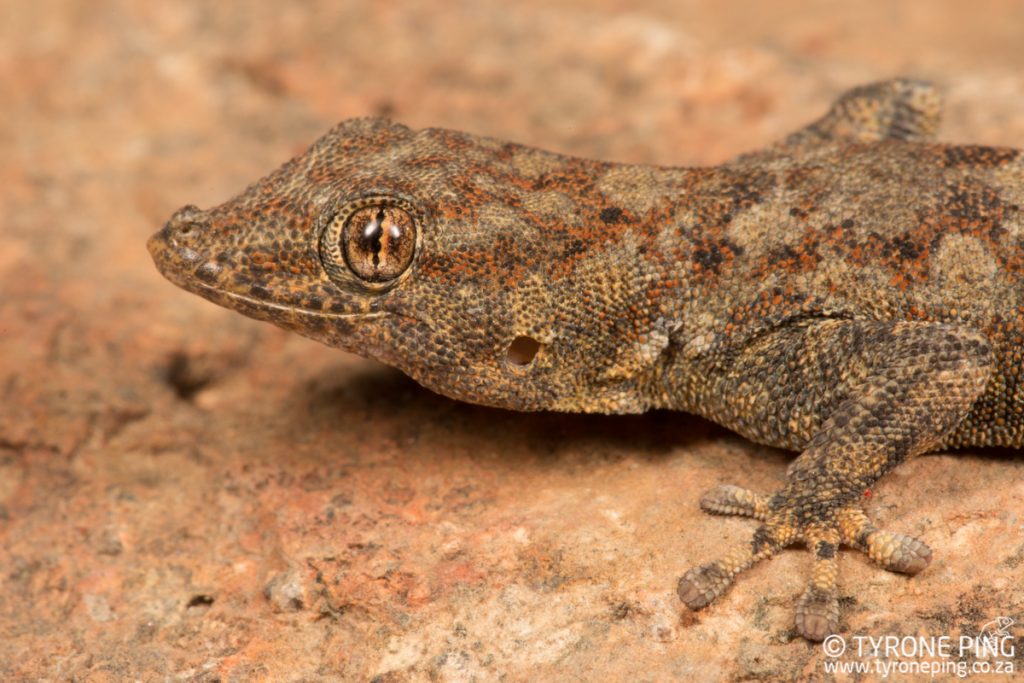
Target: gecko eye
[
  {"x": 378, "y": 242},
  {"x": 372, "y": 240}
]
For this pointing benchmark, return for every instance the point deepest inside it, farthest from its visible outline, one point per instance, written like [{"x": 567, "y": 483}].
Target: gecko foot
[{"x": 787, "y": 520}]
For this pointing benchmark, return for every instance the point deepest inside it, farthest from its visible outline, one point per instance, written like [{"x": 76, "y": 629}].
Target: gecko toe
[
  {"x": 892, "y": 551},
  {"x": 817, "y": 614},
  {"x": 701, "y": 585},
  {"x": 733, "y": 500},
  {"x": 899, "y": 553}
]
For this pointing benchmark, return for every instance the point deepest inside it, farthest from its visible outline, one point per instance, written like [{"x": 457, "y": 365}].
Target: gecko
[{"x": 853, "y": 292}]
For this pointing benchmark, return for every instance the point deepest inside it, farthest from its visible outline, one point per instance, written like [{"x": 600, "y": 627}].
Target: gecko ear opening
[{"x": 523, "y": 350}]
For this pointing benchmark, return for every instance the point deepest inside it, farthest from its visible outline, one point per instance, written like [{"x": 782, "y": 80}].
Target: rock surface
[{"x": 189, "y": 495}]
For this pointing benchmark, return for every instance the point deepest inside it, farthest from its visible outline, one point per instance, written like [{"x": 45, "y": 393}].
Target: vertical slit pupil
[{"x": 372, "y": 234}]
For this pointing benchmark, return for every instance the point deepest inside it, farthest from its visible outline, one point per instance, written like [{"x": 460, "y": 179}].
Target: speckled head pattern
[{"x": 503, "y": 294}]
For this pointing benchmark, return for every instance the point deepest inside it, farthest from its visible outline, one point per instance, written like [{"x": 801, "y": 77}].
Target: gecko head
[{"x": 437, "y": 252}]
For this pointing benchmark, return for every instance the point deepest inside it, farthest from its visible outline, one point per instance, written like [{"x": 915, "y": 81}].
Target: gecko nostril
[
  {"x": 186, "y": 230},
  {"x": 186, "y": 223},
  {"x": 523, "y": 350}
]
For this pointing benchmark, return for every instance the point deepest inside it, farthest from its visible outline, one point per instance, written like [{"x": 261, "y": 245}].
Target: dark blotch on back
[
  {"x": 977, "y": 155},
  {"x": 709, "y": 257},
  {"x": 907, "y": 248},
  {"x": 971, "y": 200},
  {"x": 710, "y": 254},
  {"x": 612, "y": 214}
]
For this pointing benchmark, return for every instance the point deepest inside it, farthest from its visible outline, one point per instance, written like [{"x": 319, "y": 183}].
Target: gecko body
[{"x": 854, "y": 292}]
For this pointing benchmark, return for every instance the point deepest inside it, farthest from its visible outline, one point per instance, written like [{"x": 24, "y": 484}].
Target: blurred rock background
[{"x": 189, "y": 495}]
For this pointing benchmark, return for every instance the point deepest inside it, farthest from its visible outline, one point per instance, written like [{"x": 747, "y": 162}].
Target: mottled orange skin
[{"x": 853, "y": 292}]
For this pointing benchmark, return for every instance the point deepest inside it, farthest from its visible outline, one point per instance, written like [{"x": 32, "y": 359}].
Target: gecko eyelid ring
[{"x": 375, "y": 241}]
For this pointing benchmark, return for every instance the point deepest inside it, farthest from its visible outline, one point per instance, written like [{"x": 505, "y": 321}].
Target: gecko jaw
[{"x": 280, "y": 308}]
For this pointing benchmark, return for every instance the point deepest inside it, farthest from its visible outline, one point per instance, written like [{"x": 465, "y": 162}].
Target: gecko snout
[
  {"x": 183, "y": 242},
  {"x": 182, "y": 237}
]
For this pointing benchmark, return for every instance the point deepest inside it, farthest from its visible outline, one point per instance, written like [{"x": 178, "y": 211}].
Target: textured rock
[{"x": 188, "y": 494}]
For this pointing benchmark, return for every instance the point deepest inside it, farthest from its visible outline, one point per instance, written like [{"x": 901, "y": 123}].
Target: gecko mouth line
[{"x": 285, "y": 309}]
